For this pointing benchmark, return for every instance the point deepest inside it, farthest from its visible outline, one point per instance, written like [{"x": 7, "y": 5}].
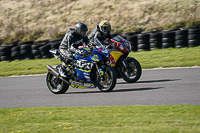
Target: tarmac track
[{"x": 155, "y": 87}]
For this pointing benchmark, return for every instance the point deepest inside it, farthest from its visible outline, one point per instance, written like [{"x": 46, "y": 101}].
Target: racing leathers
[
  {"x": 96, "y": 33},
  {"x": 70, "y": 44}
]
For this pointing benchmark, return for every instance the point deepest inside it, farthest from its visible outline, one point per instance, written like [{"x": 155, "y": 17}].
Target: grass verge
[
  {"x": 183, "y": 57},
  {"x": 163, "y": 118}
]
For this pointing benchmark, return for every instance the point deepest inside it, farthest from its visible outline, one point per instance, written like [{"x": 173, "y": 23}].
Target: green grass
[
  {"x": 115, "y": 119},
  {"x": 26, "y": 67},
  {"x": 183, "y": 57}
]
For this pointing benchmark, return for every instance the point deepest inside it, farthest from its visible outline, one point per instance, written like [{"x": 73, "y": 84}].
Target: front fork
[
  {"x": 100, "y": 71},
  {"x": 124, "y": 63}
]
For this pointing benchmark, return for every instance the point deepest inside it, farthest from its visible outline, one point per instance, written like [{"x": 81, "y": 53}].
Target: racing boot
[{"x": 62, "y": 70}]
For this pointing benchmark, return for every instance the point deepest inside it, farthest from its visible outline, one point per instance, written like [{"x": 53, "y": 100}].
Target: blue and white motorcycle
[{"x": 88, "y": 72}]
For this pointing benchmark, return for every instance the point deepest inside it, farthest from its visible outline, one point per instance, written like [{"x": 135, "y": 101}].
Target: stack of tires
[
  {"x": 44, "y": 51},
  {"x": 139, "y": 41},
  {"x": 143, "y": 42},
  {"x": 132, "y": 38},
  {"x": 181, "y": 38},
  {"x": 35, "y": 48},
  {"x": 25, "y": 50},
  {"x": 155, "y": 40},
  {"x": 168, "y": 39},
  {"x": 194, "y": 37},
  {"x": 28, "y": 50},
  {"x": 52, "y": 44},
  {"x": 5, "y": 52},
  {"x": 15, "y": 51},
  {"x": 55, "y": 43}
]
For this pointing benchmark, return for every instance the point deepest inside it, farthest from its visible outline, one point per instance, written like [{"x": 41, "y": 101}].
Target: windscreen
[
  {"x": 118, "y": 39},
  {"x": 122, "y": 41}
]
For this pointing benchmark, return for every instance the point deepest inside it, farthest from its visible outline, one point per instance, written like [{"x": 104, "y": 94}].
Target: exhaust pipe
[{"x": 56, "y": 74}]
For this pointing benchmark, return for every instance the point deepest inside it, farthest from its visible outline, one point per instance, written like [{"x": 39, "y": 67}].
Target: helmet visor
[
  {"x": 83, "y": 33},
  {"x": 106, "y": 29}
]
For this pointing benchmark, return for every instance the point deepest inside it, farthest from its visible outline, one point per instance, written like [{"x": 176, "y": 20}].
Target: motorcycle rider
[
  {"x": 70, "y": 43},
  {"x": 101, "y": 31}
]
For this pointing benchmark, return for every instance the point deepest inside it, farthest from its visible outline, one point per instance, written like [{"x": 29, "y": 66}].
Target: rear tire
[
  {"x": 56, "y": 85},
  {"x": 109, "y": 81},
  {"x": 136, "y": 72}
]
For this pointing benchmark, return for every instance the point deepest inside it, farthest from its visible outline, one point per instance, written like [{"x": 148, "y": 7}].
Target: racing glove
[{"x": 81, "y": 52}]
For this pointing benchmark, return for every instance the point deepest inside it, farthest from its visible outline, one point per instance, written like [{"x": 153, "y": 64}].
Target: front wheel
[
  {"x": 133, "y": 71},
  {"x": 107, "y": 81},
  {"x": 56, "y": 85}
]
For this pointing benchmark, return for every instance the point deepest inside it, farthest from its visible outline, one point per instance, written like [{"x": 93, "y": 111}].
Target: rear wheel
[
  {"x": 133, "y": 71},
  {"x": 107, "y": 82},
  {"x": 56, "y": 85}
]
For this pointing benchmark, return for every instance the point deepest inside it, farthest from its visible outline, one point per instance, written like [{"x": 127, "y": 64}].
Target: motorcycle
[
  {"x": 86, "y": 72},
  {"x": 125, "y": 67}
]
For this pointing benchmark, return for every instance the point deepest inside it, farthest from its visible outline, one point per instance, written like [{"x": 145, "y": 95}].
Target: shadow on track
[
  {"x": 151, "y": 81},
  {"x": 138, "y": 89},
  {"x": 118, "y": 90}
]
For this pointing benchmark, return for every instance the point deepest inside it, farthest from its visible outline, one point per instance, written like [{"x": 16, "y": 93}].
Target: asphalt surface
[{"x": 155, "y": 87}]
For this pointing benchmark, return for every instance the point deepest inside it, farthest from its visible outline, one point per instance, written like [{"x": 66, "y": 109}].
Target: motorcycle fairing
[
  {"x": 84, "y": 80},
  {"x": 94, "y": 57},
  {"x": 83, "y": 75},
  {"x": 114, "y": 57},
  {"x": 123, "y": 49},
  {"x": 76, "y": 84},
  {"x": 83, "y": 64}
]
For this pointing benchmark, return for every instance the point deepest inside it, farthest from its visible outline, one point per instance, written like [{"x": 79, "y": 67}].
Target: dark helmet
[
  {"x": 105, "y": 26},
  {"x": 81, "y": 29}
]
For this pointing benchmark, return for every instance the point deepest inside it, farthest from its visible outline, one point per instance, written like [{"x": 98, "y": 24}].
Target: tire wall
[
  {"x": 140, "y": 41},
  {"x": 28, "y": 50},
  {"x": 177, "y": 38}
]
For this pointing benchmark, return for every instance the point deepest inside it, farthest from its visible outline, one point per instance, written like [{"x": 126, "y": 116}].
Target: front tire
[
  {"x": 56, "y": 85},
  {"x": 108, "y": 82},
  {"x": 134, "y": 71}
]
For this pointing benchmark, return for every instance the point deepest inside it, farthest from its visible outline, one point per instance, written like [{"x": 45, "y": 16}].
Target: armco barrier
[{"x": 140, "y": 41}]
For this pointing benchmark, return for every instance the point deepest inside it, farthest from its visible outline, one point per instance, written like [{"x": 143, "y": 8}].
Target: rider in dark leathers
[
  {"x": 101, "y": 31},
  {"x": 70, "y": 43}
]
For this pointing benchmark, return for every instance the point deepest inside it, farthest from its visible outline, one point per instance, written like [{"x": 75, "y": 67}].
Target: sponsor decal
[
  {"x": 81, "y": 85},
  {"x": 96, "y": 56},
  {"x": 83, "y": 65}
]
